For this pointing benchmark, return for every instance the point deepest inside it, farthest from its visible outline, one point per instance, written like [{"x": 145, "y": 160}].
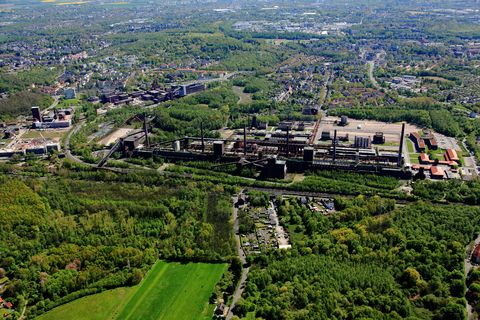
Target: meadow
[
  {"x": 174, "y": 291},
  {"x": 169, "y": 291},
  {"x": 99, "y": 306}
]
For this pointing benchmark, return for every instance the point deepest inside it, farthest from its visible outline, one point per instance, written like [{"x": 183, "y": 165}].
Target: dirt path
[
  {"x": 371, "y": 67},
  {"x": 22, "y": 315},
  {"x": 243, "y": 258},
  {"x": 244, "y": 97}
]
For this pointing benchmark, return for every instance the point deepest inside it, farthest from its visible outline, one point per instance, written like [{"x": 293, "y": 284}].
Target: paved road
[
  {"x": 243, "y": 258},
  {"x": 68, "y": 153}
]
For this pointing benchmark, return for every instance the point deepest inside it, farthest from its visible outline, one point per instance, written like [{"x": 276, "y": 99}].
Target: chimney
[
  {"x": 400, "y": 149},
  {"x": 334, "y": 145},
  {"x": 245, "y": 140},
  {"x": 145, "y": 129}
]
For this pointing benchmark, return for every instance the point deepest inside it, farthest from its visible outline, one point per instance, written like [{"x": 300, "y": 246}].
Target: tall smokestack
[
  {"x": 400, "y": 150},
  {"x": 201, "y": 134},
  {"x": 245, "y": 140},
  {"x": 334, "y": 145},
  {"x": 145, "y": 129},
  {"x": 288, "y": 141}
]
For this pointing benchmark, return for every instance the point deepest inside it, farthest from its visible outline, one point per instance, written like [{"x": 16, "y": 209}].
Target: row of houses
[
  {"x": 435, "y": 166},
  {"x": 422, "y": 143},
  {"x": 450, "y": 156}
]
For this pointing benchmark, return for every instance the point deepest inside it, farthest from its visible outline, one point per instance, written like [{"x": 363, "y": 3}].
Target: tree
[{"x": 453, "y": 311}]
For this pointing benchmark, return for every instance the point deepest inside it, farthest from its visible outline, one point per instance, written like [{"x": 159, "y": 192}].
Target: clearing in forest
[
  {"x": 169, "y": 291},
  {"x": 99, "y": 306},
  {"x": 174, "y": 291}
]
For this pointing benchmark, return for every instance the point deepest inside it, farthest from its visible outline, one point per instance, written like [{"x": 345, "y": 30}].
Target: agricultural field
[
  {"x": 169, "y": 291},
  {"x": 174, "y": 291},
  {"x": 99, "y": 306}
]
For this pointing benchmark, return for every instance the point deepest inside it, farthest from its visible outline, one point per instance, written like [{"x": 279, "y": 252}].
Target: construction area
[{"x": 39, "y": 137}]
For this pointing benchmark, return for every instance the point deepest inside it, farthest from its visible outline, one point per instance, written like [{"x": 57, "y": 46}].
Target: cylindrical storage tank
[{"x": 176, "y": 145}]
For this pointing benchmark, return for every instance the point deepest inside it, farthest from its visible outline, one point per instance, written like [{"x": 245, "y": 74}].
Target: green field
[
  {"x": 174, "y": 291},
  {"x": 99, "y": 306},
  {"x": 169, "y": 291}
]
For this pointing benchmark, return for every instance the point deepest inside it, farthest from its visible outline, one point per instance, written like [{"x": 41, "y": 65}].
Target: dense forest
[
  {"x": 76, "y": 237},
  {"x": 368, "y": 261},
  {"x": 21, "y": 102},
  {"x": 451, "y": 191},
  {"x": 21, "y": 91}
]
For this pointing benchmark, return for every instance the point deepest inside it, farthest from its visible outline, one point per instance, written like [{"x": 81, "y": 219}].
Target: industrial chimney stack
[{"x": 400, "y": 149}]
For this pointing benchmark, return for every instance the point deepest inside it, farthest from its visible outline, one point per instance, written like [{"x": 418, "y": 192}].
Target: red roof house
[
  {"x": 451, "y": 155},
  {"x": 424, "y": 158},
  {"x": 419, "y": 142},
  {"x": 437, "y": 173}
]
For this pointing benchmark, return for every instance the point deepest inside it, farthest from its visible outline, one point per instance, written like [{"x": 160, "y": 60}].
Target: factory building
[
  {"x": 36, "y": 115},
  {"x": 343, "y": 121},
  {"x": 218, "y": 148},
  {"x": 54, "y": 120},
  {"x": 191, "y": 88},
  {"x": 276, "y": 169},
  {"x": 308, "y": 154},
  {"x": 52, "y": 124},
  {"x": 378, "y": 138},
  {"x": 418, "y": 141}
]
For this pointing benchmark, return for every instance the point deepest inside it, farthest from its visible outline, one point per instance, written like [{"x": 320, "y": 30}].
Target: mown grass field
[
  {"x": 170, "y": 291},
  {"x": 99, "y": 306},
  {"x": 174, "y": 291}
]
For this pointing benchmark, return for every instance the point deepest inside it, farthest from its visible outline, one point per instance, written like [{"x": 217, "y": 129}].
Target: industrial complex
[
  {"x": 297, "y": 146},
  {"x": 290, "y": 146}
]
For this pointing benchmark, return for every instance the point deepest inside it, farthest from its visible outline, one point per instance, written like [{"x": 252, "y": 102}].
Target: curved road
[{"x": 68, "y": 153}]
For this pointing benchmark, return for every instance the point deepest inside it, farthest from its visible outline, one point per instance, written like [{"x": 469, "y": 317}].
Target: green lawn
[
  {"x": 99, "y": 306},
  {"x": 174, "y": 291},
  {"x": 169, "y": 291},
  {"x": 244, "y": 97},
  {"x": 411, "y": 147},
  {"x": 45, "y": 134}
]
